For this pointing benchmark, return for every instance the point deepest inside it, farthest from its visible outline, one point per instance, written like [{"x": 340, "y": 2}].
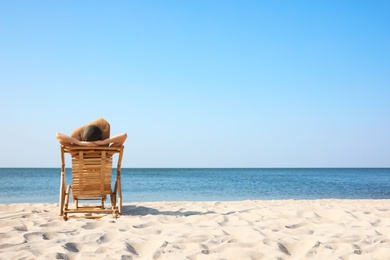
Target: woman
[{"x": 95, "y": 133}]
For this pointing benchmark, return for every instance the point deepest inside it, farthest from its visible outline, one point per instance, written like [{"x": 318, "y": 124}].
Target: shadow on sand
[{"x": 143, "y": 211}]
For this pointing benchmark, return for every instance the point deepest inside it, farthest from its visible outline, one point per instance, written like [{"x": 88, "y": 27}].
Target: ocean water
[{"x": 41, "y": 185}]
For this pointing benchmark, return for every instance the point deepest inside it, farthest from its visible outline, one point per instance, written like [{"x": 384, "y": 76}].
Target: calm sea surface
[{"x": 35, "y": 185}]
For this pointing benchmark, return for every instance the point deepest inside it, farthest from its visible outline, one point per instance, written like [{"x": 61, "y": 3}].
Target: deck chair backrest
[
  {"x": 91, "y": 172},
  {"x": 92, "y": 169}
]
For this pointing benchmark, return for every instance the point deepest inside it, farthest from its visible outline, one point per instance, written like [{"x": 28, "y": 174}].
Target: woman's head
[{"x": 91, "y": 133}]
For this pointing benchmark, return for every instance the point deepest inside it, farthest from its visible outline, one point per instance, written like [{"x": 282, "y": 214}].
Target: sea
[{"x": 41, "y": 185}]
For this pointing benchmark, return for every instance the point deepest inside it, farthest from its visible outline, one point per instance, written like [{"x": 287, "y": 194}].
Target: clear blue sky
[{"x": 199, "y": 83}]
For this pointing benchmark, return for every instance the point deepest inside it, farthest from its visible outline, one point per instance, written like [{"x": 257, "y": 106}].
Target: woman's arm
[
  {"x": 67, "y": 140},
  {"x": 116, "y": 140}
]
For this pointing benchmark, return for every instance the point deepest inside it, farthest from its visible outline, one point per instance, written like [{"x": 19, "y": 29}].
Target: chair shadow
[{"x": 143, "y": 211}]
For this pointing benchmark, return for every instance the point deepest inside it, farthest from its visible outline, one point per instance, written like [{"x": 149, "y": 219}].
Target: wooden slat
[{"x": 91, "y": 172}]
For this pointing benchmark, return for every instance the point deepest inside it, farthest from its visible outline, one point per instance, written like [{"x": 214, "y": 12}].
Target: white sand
[{"x": 320, "y": 229}]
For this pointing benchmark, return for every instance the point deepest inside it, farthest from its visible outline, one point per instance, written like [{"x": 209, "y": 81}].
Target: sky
[{"x": 199, "y": 83}]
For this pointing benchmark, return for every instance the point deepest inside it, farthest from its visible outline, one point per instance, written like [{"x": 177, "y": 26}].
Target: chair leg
[
  {"x": 62, "y": 199},
  {"x": 66, "y": 202},
  {"x": 119, "y": 197},
  {"x": 62, "y": 193},
  {"x": 114, "y": 196},
  {"x": 113, "y": 205},
  {"x": 113, "y": 201}
]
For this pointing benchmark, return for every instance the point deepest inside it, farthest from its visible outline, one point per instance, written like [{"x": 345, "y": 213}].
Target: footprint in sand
[
  {"x": 131, "y": 249},
  {"x": 299, "y": 248},
  {"x": 21, "y": 228},
  {"x": 106, "y": 238},
  {"x": 296, "y": 229},
  {"x": 295, "y": 225},
  {"x": 104, "y": 250},
  {"x": 283, "y": 248},
  {"x": 150, "y": 227},
  {"x": 10, "y": 239},
  {"x": 90, "y": 226},
  {"x": 145, "y": 225},
  {"x": 37, "y": 236},
  {"x": 71, "y": 247}
]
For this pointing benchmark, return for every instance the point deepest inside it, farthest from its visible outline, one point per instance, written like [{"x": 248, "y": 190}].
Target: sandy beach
[{"x": 284, "y": 229}]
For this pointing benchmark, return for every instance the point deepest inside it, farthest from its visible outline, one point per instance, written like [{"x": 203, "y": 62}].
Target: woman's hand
[
  {"x": 85, "y": 143},
  {"x": 100, "y": 142}
]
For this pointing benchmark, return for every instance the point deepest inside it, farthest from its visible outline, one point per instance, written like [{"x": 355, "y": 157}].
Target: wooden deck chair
[{"x": 91, "y": 180}]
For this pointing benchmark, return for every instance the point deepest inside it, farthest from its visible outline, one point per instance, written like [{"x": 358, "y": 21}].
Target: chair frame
[{"x": 101, "y": 159}]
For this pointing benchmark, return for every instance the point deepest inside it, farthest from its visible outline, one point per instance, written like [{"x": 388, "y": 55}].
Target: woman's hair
[{"x": 91, "y": 133}]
